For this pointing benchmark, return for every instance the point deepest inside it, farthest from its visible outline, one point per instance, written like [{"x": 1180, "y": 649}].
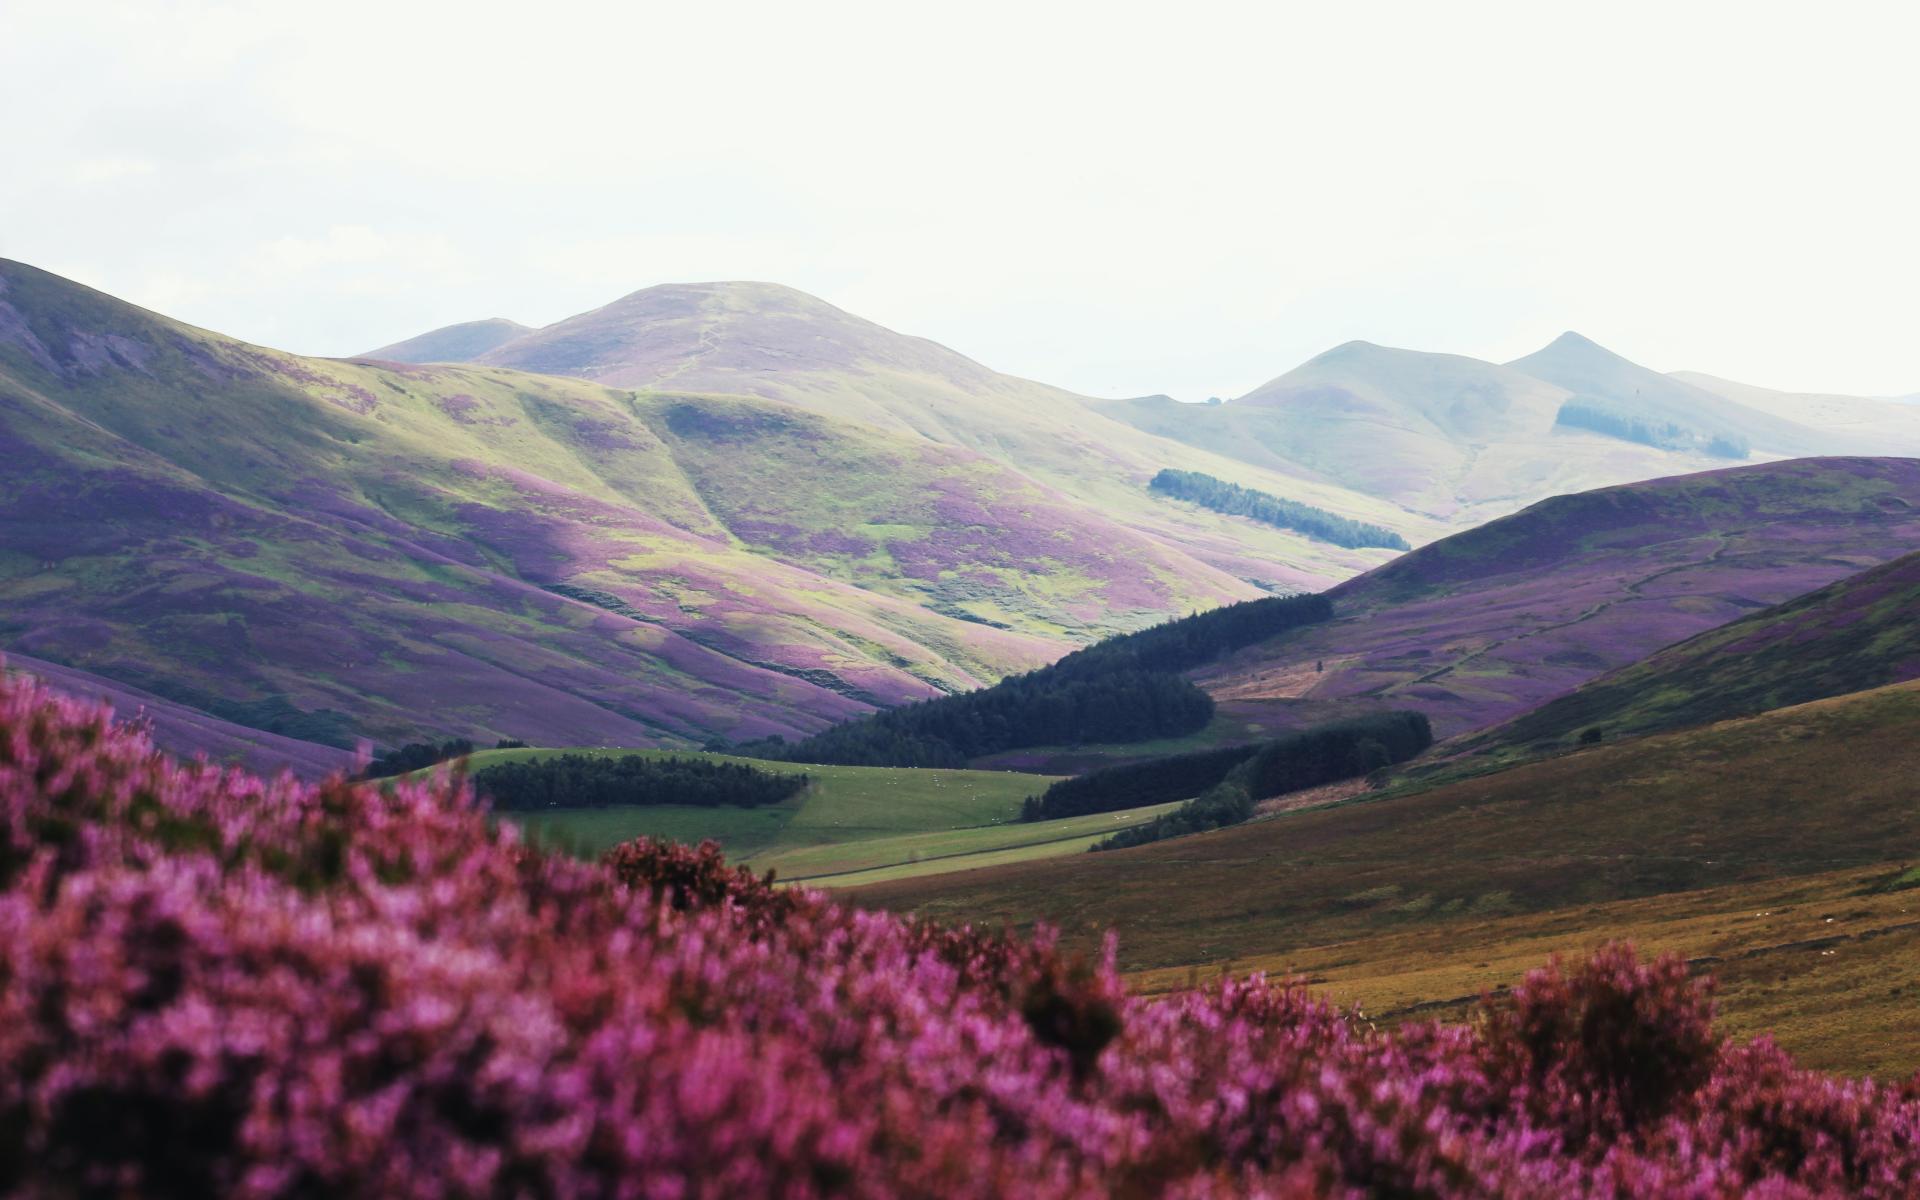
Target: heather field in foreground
[{"x": 216, "y": 984}]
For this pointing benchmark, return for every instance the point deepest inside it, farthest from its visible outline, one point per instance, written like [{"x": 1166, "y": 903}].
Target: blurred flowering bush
[{"x": 214, "y": 984}]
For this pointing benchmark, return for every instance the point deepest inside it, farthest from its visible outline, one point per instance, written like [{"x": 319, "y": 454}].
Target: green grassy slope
[
  {"x": 849, "y": 819},
  {"x": 1800, "y": 791},
  {"x": 936, "y": 851}
]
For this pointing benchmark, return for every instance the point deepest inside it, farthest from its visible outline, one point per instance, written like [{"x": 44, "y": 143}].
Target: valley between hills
[
  {"x": 1654, "y": 635},
  {"x": 608, "y": 601}
]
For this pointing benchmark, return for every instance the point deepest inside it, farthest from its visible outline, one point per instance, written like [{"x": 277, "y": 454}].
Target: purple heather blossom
[{"x": 213, "y": 983}]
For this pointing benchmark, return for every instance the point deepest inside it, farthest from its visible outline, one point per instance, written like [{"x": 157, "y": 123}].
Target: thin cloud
[{"x": 1118, "y": 199}]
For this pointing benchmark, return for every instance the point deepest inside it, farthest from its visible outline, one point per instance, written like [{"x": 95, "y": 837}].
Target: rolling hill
[
  {"x": 1666, "y": 410},
  {"x": 173, "y": 724},
  {"x": 452, "y": 343},
  {"x": 474, "y": 551},
  {"x": 1487, "y": 624},
  {"x": 1464, "y": 441},
  {"x": 1859, "y": 633},
  {"x": 1457, "y": 439},
  {"x": 782, "y": 345},
  {"x": 1895, "y": 422},
  {"x": 1412, "y": 899}
]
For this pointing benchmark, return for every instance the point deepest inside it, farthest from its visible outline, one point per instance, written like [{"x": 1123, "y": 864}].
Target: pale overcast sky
[{"x": 1176, "y": 197}]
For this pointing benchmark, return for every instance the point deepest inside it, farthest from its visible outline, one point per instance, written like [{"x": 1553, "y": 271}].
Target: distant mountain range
[
  {"x": 1464, "y": 441},
  {"x": 726, "y": 510},
  {"x": 337, "y": 550},
  {"x": 1445, "y": 441},
  {"x": 772, "y": 342}
]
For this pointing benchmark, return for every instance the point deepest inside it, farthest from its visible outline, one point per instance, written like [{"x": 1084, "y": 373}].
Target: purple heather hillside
[{"x": 1491, "y": 622}]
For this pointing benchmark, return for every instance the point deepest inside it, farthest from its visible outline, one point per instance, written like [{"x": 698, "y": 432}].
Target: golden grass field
[
  {"x": 1744, "y": 845},
  {"x": 1825, "y": 963}
]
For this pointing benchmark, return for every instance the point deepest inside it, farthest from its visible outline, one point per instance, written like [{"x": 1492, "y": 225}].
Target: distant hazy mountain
[
  {"x": 1894, "y": 423},
  {"x": 1452, "y": 437},
  {"x": 452, "y": 343},
  {"x": 1464, "y": 441},
  {"x": 1609, "y": 394}
]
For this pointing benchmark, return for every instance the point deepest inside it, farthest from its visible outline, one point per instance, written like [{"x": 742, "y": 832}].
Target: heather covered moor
[{"x": 268, "y": 988}]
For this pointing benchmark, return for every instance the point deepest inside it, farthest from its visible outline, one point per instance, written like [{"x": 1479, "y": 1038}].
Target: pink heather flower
[{"x": 214, "y": 984}]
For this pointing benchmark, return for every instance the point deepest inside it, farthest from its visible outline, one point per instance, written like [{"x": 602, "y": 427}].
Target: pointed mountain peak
[
  {"x": 1569, "y": 347},
  {"x": 1574, "y": 340}
]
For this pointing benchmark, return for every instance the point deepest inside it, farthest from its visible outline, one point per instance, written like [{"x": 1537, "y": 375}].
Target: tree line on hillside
[
  {"x": 1123, "y": 689},
  {"x": 1217, "y": 494},
  {"x": 1136, "y": 785},
  {"x": 1312, "y": 757},
  {"x": 604, "y": 781},
  {"x": 1128, "y": 706},
  {"x": 1666, "y": 435},
  {"x": 415, "y": 755}
]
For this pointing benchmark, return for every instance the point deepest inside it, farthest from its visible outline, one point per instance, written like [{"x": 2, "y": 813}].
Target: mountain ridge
[
  {"x": 1609, "y": 384},
  {"x": 1481, "y": 626},
  {"x": 1850, "y": 636},
  {"x": 1453, "y": 437},
  {"x": 780, "y": 344},
  {"x": 477, "y": 490}
]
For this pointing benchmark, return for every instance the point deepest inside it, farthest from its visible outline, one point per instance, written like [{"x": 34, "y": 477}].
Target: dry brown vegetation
[{"x": 1733, "y": 844}]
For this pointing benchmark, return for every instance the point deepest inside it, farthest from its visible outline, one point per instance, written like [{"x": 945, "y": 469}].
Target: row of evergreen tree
[
  {"x": 1124, "y": 689},
  {"x": 1136, "y": 785},
  {"x": 1312, "y": 757},
  {"x": 415, "y": 755},
  {"x": 1127, "y": 706},
  {"x": 1666, "y": 435},
  {"x": 603, "y": 781},
  {"x": 1194, "y": 641},
  {"x": 1221, "y": 496}
]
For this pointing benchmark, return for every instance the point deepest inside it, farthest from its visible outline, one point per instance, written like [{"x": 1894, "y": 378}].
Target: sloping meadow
[{"x": 217, "y": 984}]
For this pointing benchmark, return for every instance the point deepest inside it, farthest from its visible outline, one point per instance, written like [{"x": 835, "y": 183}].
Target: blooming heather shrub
[
  {"x": 214, "y": 984},
  {"x": 1607, "y": 1050}
]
